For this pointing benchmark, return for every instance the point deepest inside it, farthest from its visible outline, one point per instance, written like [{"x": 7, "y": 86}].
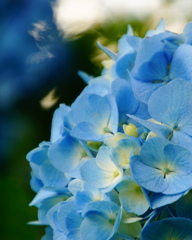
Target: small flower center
[
  {"x": 166, "y": 171},
  {"x": 116, "y": 173}
]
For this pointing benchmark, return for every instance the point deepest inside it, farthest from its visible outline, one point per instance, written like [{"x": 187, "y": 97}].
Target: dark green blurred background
[{"x": 24, "y": 120}]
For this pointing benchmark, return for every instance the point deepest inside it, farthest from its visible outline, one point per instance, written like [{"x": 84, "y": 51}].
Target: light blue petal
[
  {"x": 96, "y": 176},
  {"x": 66, "y": 153},
  {"x": 67, "y": 217},
  {"x": 76, "y": 185},
  {"x": 38, "y": 155},
  {"x": 182, "y": 139},
  {"x": 100, "y": 218},
  {"x": 74, "y": 235},
  {"x": 107, "y": 209},
  {"x": 167, "y": 104},
  {"x": 181, "y": 65},
  {"x": 144, "y": 90},
  {"x": 82, "y": 198},
  {"x": 160, "y": 130},
  {"x": 179, "y": 158},
  {"x": 157, "y": 200},
  {"x": 96, "y": 227},
  {"x": 146, "y": 176},
  {"x": 86, "y": 77},
  {"x": 109, "y": 53},
  {"x": 126, "y": 102},
  {"x": 95, "y": 116},
  {"x": 153, "y": 70},
  {"x": 177, "y": 183},
  {"x": 125, "y": 64},
  {"x": 52, "y": 177},
  {"x": 48, "y": 192},
  {"x": 59, "y": 122}
]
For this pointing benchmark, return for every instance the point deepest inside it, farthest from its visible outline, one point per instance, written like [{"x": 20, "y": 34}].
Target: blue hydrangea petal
[
  {"x": 143, "y": 90},
  {"x": 126, "y": 102},
  {"x": 152, "y": 152},
  {"x": 66, "y": 153},
  {"x": 68, "y": 217},
  {"x": 108, "y": 209},
  {"x": 107, "y": 51},
  {"x": 146, "y": 176},
  {"x": 59, "y": 121},
  {"x": 128, "y": 43},
  {"x": 106, "y": 179},
  {"x": 38, "y": 155},
  {"x": 100, "y": 220},
  {"x": 187, "y": 33},
  {"x": 98, "y": 177},
  {"x": 57, "y": 235},
  {"x": 125, "y": 64},
  {"x": 161, "y": 130},
  {"x": 180, "y": 158},
  {"x": 167, "y": 104},
  {"x": 74, "y": 235},
  {"x": 157, "y": 200},
  {"x": 182, "y": 139},
  {"x": 178, "y": 184},
  {"x": 96, "y": 227},
  {"x": 89, "y": 132},
  {"x": 52, "y": 177},
  {"x": 94, "y": 116},
  {"x": 153, "y": 70},
  {"x": 49, "y": 192},
  {"x": 76, "y": 185},
  {"x": 181, "y": 65}
]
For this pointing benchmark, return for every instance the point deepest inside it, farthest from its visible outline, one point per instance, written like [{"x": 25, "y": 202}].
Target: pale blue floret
[
  {"x": 95, "y": 117},
  {"x": 67, "y": 153},
  {"x": 59, "y": 122},
  {"x": 65, "y": 220},
  {"x": 44, "y": 174},
  {"x": 163, "y": 167},
  {"x": 102, "y": 220},
  {"x": 102, "y": 172}
]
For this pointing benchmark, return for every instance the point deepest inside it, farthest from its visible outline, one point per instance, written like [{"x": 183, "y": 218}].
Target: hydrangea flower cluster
[{"x": 119, "y": 161}]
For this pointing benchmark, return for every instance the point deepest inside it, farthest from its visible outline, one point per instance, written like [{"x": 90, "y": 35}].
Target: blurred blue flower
[
  {"x": 31, "y": 48},
  {"x": 162, "y": 167}
]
